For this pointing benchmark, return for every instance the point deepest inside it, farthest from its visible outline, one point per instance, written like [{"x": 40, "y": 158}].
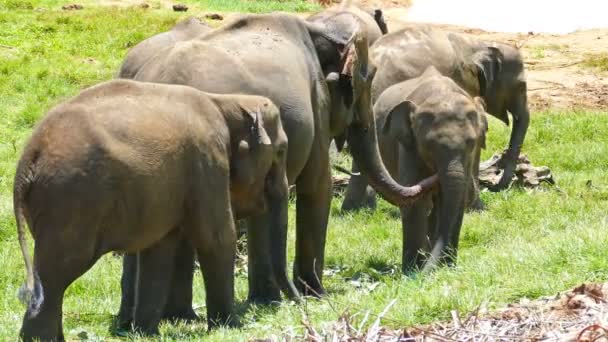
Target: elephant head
[
  {"x": 372, "y": 19},
  {"x": 446, "y": 134},
  {"x": 499, "y": 69},
  {"x": 258, "y": 159},
  {"x": 342, "y": 47}
]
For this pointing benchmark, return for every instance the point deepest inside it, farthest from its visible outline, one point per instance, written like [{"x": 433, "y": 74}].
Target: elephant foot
[
  {"x": 477, "y": 206},
  {"x": 310, "y": 286},
  {"x": 508, "y": 164},
  {"x": 232, "y": 322},
  {"x": 186, "y": 315},
  {"x": 121, "y": 324},
  {"x": 28, "y": 337},
  {"x": 146, "y": 331},
  {"x": 412, "y": 269},
  {"x": 356, "y": 201},
  {"x": 265, "y": 296}
]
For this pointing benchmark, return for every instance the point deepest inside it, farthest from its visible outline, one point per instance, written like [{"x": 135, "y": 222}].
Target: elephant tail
[{"x": 21, "y": 188}]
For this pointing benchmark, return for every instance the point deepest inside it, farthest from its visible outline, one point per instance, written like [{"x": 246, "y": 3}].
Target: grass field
[{"x": 526, "y": 244}]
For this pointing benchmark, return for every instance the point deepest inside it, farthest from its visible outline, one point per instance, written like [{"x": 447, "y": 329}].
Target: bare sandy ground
[{"x": 557, "y": 74}]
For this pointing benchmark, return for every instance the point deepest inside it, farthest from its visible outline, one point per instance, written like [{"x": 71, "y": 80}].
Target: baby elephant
[
  {"x": 430, "y": 125},
  {"x": 123, "y": 165}
]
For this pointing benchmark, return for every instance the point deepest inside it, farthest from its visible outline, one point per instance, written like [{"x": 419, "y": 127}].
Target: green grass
[
  {"x": 526, "y": 244},
  {"x": 597, "y": 61}
]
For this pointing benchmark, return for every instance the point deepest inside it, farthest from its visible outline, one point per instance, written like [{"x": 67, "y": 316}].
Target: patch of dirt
[{"x": 557, "y": 76}]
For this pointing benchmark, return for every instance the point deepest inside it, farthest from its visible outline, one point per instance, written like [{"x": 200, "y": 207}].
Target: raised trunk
[
  {"x": 453, "y": 179},
  {"x": 364, "y": 149}
]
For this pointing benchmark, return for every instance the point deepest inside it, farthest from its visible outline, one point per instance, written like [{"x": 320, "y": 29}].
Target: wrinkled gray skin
[
  {"x": 373, "y": 20},
  {"x": 429, "y": 125},
  {"x": 318, "y": 75},
  {"x": 491, "y": 70},
  {"x": 142, "y": 52},
  {"x": 122, "y": 166}
]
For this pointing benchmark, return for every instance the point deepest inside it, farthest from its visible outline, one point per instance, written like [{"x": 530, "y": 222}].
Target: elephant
[
  {"x": 125, "y": 164},
  {"x": 373, "y": 20},
  {"x": 429, "y": 125},
  {"x": 491, "y": 70},
  {"x": 141, "y": 53},
  {"x": 319, "y": 76}
]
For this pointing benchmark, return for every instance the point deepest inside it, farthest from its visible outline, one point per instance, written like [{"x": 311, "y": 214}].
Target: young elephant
[
  {"x": 430, "y": 125},
  {"x": 122, "y": 166}
]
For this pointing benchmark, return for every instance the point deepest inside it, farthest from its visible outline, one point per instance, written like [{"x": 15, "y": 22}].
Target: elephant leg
[
  {"x": 451, "y": 258},
  {"x": 474, "y": 202},
  {"x": 263, "y": 287},
  {"x": 415, "y": 225},
  {"x": 434, "y": 222},
  {"x": 217, "y": 266},
  {"x": 215, "y": 245},
  {"x": 521, "y": 121},
  {"x": 209, "y": 224},
  {"x": 127, "y": 285},
  {"x": 358, "y": 193},
  {"x": 312, "y": 213},
  {"x": 56, "y": 266},
  {"x": 415, "y": 219},
  {"x": 154, "y": 274},
  {"x": 179, "y": 303}
]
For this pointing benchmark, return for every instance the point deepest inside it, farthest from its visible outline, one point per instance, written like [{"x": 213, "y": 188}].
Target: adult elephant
[
  {"x": 491, "y": 70},
  {"x": 144, "y": 50},
  {"x": 319, "y": 76}
]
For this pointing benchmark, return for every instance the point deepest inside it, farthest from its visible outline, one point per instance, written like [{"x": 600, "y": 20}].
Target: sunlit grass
[{"x": 526, "y": 244}]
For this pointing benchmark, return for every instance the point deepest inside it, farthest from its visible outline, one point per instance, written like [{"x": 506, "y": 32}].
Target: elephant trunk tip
[{"x": 411, "y": 194}]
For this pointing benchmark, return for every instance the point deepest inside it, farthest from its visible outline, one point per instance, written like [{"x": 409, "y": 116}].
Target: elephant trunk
[
  {"x": 364, "y": 149},
  {"x": 521, "y": 121},
  {"x": 453, "y": 179}
]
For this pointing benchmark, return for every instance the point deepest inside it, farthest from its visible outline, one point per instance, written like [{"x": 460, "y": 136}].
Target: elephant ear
[
  {"x": 356, "y": 68},
  {"x": 251, "y": 151},
  {"x": 342, "y": 47},
  {"x": 258, "y": 134},
  {"x": 481, "y": 107},
  {"x": 487, "y": 64},
  {"x": 398, "y": 124},
  {"x": 379, "y": 18}
]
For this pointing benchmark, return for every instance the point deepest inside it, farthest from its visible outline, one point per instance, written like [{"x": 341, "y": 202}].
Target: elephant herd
[{"x": 205, "y": 126}]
